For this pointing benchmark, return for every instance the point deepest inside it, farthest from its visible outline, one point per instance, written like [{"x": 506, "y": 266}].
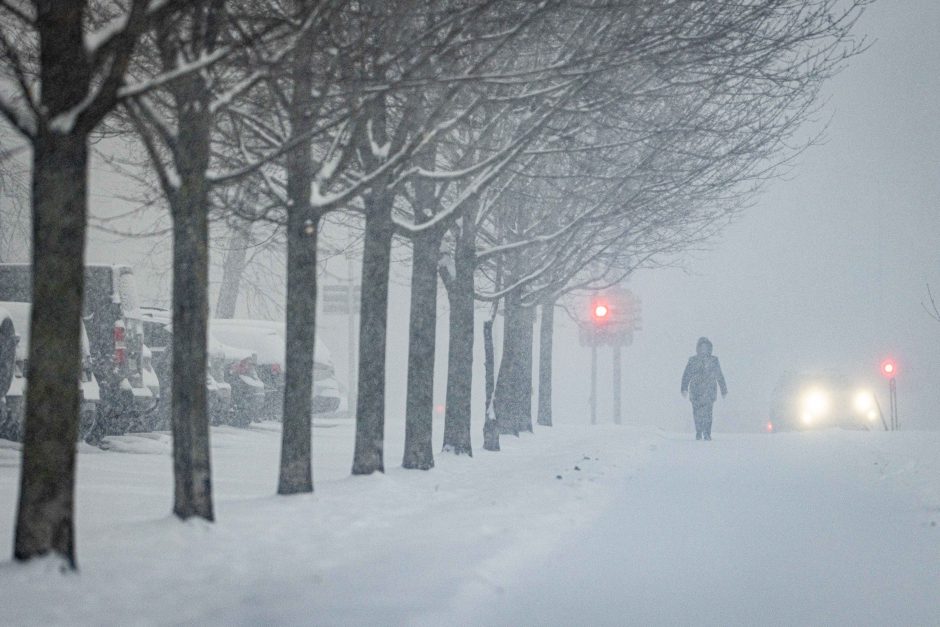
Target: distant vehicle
[
  {"x": 814, "y": 400},
  {"x": 119, "y": 359},
  {"x": 7, "y": 352},
  {"x": 241, "y": 372},
  {"x": 14, "y": 406},
  {"x": 266, "y": 338},
  {"x": 268, "y": 345},
  {"x": 236, "y": 394}
]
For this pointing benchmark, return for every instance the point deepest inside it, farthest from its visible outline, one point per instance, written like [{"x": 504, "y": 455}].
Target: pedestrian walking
[{"x": 700, "y": 381}]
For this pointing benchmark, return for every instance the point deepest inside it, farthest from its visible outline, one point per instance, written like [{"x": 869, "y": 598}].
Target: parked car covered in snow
[
  {"x": 235, "y": 393},
  {"x": 118, "y": 357},
  {"x": 14, "y": 406},
  {"x": 814, "y": 400},
  {"x": 266, "y": 338},
  {"x": 7, "y": 352}
]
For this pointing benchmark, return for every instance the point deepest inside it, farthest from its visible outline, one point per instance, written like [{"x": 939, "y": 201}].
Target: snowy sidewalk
[
  {"x": 830, "y": 528},
  {"x": 379, "y": 550},
  {"x": 569, "y": 526}
]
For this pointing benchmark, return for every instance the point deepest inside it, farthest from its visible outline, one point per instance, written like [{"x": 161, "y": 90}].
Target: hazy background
[{"x": 827, "y": 270}]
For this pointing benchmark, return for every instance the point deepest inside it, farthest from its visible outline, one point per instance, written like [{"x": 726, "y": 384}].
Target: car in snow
[
  {"x": 235, "y": 393},
  {"x": 13, "y": 412},
  {"x": 266, "y": 338},
  {"x": 813, "y": 400},
  {"x": 118, "y": 356},
  {"x": 7, "y": 351}
]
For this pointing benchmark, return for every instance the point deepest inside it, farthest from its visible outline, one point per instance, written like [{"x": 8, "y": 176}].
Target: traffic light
[
  {"x": 889, "y": 368},
  {"x": 601, "y": 312}
]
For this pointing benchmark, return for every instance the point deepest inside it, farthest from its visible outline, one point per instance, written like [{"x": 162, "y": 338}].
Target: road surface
[{"x": 790, "y": 529}]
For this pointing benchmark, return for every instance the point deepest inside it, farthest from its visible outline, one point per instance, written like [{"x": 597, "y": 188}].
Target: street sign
[{"x": 340, "y": 299}]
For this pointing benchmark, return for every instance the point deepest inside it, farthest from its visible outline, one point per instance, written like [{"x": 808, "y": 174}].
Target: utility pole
[
  {"x": 594, "y": 384},
  {"x": 614, "y": 316},
  {"x": 616, "y": 383},
  {"x": 893, "y": 393},
  {"x": 889, "y": 369}
]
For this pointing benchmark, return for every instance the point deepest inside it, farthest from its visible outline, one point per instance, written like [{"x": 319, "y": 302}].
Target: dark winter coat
[{"x": 703, "y": 375}]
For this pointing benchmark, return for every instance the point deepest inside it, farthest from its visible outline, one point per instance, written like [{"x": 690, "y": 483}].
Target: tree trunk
[
  {"x": 457, "y": 407},
  {"x": 373, "y": 319},
  {"x": 507, "y": 396},
  {"x": 190, "y": 210},
  {"x": 513, "y": 394},
  {"x": 296, "y": 473},
  {"x": 47, "y": 480},
  {"x": 505, "y": 401},
  {"x": 232, "y": 269},
  {"x": 526, "y": 332},
  {"x": 546, "y": 332},
  {"x": 422, "y": 338},
  {"x": 303, "y": 225},
  {"x": 190, "y": 424},
  {"x": 490, "y": 427}
]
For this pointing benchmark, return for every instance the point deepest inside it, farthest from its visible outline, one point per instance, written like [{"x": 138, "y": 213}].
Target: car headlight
[
  {"x": 864, "y": 402},
  {"x": 816, "y": 403}
]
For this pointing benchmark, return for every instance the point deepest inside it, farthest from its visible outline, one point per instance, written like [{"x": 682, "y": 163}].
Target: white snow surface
[{"x": 651, "y": 528}]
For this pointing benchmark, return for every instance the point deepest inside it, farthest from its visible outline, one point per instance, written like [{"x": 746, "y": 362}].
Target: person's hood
[{"x": 703, "y": 347}]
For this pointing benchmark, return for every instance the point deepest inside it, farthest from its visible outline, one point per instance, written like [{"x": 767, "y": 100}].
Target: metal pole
[
  {"x": 893, "y": 388},
  {"x": 616, "y": 384},
  {"x": 593, "y": 383}
]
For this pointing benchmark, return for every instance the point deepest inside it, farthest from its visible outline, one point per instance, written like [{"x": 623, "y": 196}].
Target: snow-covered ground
[{"x": 572, "y": 525}]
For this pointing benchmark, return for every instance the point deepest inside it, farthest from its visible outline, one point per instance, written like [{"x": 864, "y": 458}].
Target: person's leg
[
  {"x": 697, "y": 416},
  {"x": 707, "y": 421}
]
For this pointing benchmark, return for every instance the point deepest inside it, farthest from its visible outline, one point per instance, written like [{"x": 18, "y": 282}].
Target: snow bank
[{"x": 383, "y": 549}]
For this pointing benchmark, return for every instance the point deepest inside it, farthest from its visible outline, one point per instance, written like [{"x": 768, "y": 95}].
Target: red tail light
[
  {"x": 276, "y": 369},
  {"x": 120, "y": 348},
  {"x": 241, "y": 367}
]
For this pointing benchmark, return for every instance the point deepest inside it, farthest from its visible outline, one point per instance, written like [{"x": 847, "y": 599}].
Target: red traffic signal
[
  {"x": 600, "y": 312},
  {"x": 889, "y": 368}
]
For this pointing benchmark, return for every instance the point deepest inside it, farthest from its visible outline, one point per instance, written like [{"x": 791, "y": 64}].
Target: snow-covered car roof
[
  {"x": 321, "y": 352},
  {"x": 266, "y": 343},
  {"x": 19, "y": 314},
  {"x": 215, "y": 347}
]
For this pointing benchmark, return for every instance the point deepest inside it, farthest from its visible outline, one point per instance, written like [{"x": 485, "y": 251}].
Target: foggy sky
[{"x": 828, "y": 269}]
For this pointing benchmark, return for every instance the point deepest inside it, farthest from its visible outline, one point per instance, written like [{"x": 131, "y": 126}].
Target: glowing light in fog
[
  {"x": 600, "y": 311},
  {"x": 889, "y": 368},
  {"x": 864, "y": 401},
  {"x": 815, "y": 404}
]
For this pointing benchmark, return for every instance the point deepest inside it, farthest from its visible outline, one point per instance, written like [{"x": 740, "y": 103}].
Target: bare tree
[
  {"x": 691, "y": 126},
  {"x": 181, "y": 153},
  {"x": 930, "y": 305},
  {"x": 62, "y": 81}
]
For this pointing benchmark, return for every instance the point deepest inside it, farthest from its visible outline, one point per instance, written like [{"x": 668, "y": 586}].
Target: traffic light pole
[
  {"x": 593, "y": 383},
  {"x": 616, "y": 384},
  {"x": 893, "y": 391}
]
